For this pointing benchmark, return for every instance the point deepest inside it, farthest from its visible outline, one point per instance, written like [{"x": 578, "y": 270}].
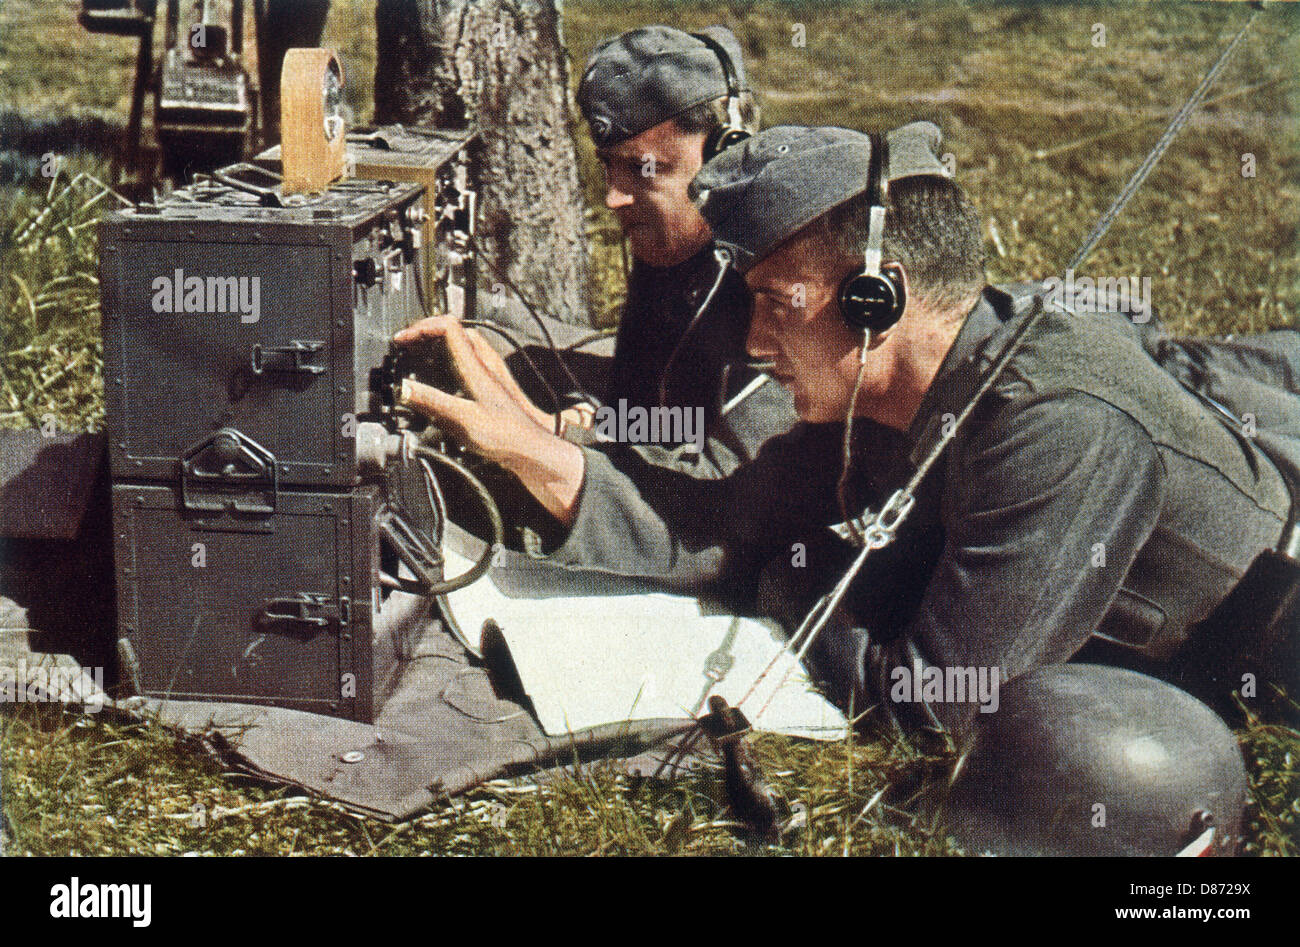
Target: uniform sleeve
[
  {"x": 659, "y": 525},
  {"x": 693, "y": 522},
  {"x": 1044, "y": 510},
  {"x": 677, "y": 515}
]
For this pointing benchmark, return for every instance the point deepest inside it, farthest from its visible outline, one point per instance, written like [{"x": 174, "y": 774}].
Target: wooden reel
[{"x": 312, "y": 137}]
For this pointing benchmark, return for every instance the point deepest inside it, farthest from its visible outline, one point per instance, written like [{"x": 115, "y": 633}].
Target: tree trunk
[{"x": 499, "y": 65}]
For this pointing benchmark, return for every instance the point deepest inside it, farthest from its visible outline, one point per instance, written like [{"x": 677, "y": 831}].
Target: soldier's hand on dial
[
  {"x": 477, "y": 353},
  {"x": 496, "y": 420}
]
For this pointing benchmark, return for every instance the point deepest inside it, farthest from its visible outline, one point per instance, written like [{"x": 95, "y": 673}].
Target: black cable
[
  {"x": 588, "y": 339},
  {"x": 723, "y": 257},
  {"x": 518, "y": 347},
  {"x": 475, "y": 572},
  {"x": 437, "y": 502},
  {"x": 555, "y": 350},
  {"x": 846, "y": 461}
]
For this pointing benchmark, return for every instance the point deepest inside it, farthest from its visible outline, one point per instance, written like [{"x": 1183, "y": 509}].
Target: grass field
[{"x": 1043, "y": 126}]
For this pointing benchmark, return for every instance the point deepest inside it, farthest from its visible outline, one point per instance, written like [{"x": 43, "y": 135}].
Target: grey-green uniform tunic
[
  {"x": 697, "y": 365},
  {"x": 1089, "y": 496}
]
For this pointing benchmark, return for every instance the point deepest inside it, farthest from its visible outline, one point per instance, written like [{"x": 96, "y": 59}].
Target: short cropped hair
[
  {"x": 708, "y": 116},
  {"x": 931, "y": 227}
]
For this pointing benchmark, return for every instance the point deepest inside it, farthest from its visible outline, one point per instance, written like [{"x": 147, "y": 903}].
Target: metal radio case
[
  {"x": 437, "y": 158},
  {"x": 282, "y": 607},
  {"x": 285, "y": 313}
]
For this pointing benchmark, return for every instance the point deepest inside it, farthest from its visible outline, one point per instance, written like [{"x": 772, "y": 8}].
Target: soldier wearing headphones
[
  {"x": 1100, "y": 504},
  {"x": 1091, "y": 508},
  {"x": 659, "y": 102}
]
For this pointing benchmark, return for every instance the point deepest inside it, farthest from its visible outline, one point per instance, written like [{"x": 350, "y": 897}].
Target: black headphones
[
  {"x": 732, "y": 133},
  {"x": 871, "y": 300}
]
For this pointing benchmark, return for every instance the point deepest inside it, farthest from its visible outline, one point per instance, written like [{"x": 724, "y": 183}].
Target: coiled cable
[
  {"x": 412, "y": 545},
  {"x": 498, "y": 529}
]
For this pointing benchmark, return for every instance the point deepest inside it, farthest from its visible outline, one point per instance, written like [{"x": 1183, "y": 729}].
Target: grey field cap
[
  {"x": 646, "y": 76},
  {"x": 758, "y": 194}
]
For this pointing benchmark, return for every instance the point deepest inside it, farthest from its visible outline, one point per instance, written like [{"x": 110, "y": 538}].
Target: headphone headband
[
  {"x": 877, "y": 188},
  {"x": 724, "y": 60},
  {"x": 733, "y": 133}
]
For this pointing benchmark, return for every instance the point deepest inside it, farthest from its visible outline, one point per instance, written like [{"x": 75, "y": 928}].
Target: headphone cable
[
  {"x": 846, "y": 462},
  {"x": 877, "y": 193},
  {"x": 723, "y": 257},
  {"x": 537, "y": 372},
  {"x": 550, "y": 342}
]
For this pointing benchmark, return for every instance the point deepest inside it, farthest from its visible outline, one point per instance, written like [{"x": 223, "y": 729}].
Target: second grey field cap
[
  {"x": 758, "y": 194},
  {"x": 646, "y": 76}
]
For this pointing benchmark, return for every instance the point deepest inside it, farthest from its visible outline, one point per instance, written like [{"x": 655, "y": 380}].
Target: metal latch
[
  {"x": 286, "y": 358},
  {"x": 309, "y": 609}
]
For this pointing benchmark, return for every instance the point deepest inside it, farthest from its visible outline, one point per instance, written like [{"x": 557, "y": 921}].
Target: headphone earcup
[
  {"x": 871, "y": 302},
  {"x": 722, "y": 138}
]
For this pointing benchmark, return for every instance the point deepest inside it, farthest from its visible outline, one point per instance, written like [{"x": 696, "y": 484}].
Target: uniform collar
[
  {"x": 984, "y": 332},
  {"x": 700, "y": 259}
]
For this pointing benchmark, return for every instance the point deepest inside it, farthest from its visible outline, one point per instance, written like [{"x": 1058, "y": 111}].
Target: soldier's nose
[
  {"x": 616, "y": 198},
  {"x": 760, "y": 344}
]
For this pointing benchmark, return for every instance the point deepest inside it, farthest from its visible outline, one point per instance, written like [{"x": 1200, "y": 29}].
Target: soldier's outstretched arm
[
  {"x": 703, "y": 524},
  {"x": 494, "y": 423}
]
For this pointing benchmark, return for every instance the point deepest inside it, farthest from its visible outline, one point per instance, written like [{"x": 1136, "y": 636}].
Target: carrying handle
[
  {"x": 239, "y": 460},
  {"x": 267, "y": 196}
]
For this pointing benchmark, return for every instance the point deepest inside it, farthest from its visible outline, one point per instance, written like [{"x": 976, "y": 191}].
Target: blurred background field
[{"x": 1044, "y": 127}]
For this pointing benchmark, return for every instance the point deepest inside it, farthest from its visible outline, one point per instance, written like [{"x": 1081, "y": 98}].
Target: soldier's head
[
  {"x": 792, "y": 207},
  {"x": 656, "y": 100}
]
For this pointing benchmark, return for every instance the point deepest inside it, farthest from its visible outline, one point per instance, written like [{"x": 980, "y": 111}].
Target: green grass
[
  {"x": 1005, "y": 82},
  {"x": 50, "y": 351},
  {"x": 1044, "y": 128},
  {"x": 94, "y": 785},
  {"x": 1273, "y": 815}
]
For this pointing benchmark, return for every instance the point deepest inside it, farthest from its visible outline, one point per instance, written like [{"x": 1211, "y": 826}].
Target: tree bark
[{"x": 498, "y": 65}]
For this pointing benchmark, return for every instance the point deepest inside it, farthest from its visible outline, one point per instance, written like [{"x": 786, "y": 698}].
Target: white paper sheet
[{"x": 595, "y": 649}]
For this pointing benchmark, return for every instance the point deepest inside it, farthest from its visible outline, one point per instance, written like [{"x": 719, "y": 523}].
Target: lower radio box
[{"x": 281, "y": 606}]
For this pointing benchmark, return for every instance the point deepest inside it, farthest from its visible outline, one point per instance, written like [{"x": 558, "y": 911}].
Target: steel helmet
[{"x": 1089, "y": 760}]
